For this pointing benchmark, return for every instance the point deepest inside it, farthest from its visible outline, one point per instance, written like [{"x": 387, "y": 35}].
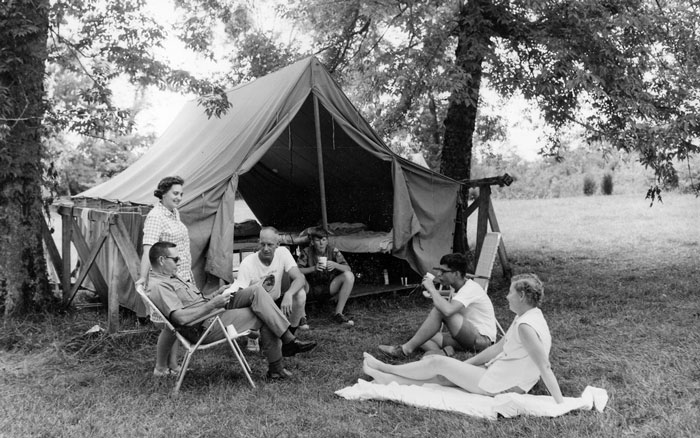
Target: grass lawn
[{"x": 622, "y": 301}]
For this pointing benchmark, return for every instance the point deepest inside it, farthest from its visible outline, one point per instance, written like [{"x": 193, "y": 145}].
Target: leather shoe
[
  {"x": 394, "y": 351},
  {"x": 297, "y": 346},
  {"x": 278, "y": 375}
]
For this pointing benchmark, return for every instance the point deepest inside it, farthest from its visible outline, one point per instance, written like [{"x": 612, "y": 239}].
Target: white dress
[{"x": 513, "y": 367}]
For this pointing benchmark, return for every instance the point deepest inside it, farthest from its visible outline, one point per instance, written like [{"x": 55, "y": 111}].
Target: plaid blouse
[{"x": 163, "y": 225}]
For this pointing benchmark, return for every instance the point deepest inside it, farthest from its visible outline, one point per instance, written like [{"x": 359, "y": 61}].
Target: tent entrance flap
[
  {"x": 321, "y": 179},
  {"x": 283, "y": 188}
]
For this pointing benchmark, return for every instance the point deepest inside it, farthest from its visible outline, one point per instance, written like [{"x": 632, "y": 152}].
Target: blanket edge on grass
[{"x": 444, "y": 398}]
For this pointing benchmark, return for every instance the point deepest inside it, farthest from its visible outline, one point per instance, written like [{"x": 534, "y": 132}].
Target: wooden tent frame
[
  {"x": 486, "y": 215},
  {"x": 72, "y": 234}
]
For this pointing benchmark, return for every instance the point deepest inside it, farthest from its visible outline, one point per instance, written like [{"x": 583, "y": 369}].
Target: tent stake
[{"x": 319, "y": 154}]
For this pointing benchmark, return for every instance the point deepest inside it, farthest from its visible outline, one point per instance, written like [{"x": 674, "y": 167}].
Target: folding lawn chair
[{"x": 231, "y": 336}]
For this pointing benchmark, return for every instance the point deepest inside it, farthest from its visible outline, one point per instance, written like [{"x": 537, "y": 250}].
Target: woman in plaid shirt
[{"x": 163, "y": 225}]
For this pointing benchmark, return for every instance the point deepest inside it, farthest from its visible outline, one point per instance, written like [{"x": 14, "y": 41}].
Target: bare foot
[
  {"x": 378, "y": 376},
  {"x": 372, "y": 361}
]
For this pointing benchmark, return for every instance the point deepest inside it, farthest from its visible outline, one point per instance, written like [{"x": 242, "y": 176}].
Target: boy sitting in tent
[{"x": 327, "y": 273}]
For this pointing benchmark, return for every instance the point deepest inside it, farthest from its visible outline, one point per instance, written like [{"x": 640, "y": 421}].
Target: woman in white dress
[{"x": 513, "y": 364}]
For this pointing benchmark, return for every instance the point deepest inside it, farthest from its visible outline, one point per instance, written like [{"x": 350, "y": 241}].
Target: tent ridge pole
[{"x": 319, "y": 154}]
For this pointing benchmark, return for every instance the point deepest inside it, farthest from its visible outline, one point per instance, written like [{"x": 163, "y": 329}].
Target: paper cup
[
  {"x": 323, "y": 261},
  {"x": 430, "y": 276}
]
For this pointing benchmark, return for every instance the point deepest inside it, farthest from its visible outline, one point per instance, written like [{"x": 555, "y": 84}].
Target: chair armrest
[{"x": 205, "y": 317}]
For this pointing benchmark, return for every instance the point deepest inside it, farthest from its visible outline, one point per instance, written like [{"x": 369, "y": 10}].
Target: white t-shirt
[
  {"x": 252, "y": 270},
  {"x": 479, "y": 308}
]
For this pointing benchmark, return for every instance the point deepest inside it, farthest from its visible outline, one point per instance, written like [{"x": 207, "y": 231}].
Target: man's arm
[
  {"x": 297, "y": 281},
  {"x": 187, "y": 314},
  {"x": 447, "y": 308}
]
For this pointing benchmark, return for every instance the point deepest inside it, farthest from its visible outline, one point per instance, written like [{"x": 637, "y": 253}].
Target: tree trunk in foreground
[{"x": 23, "y": 36}]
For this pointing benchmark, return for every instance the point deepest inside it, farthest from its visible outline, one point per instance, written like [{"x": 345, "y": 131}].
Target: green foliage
[
  {"x": 589, "y": 185},
  {"x": 606, "y": 185},
  {"x": 100, "y": 41},
  {"x": 551, "y": 178},
  {"x": 624, "y": 70}
]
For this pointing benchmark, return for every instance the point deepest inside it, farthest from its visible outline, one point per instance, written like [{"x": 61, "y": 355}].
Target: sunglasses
[
  {"x": 175, "y": 259},
  {"x": 441, "y": 271}
]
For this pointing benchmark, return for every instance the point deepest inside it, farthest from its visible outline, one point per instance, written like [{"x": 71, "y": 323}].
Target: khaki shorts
[{"x": 464, "y": 342}]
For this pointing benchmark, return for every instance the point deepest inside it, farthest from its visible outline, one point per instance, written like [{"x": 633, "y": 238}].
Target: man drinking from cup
[
  {"x": 468, "y": 316},
  {"x": 328, "y": 275}
]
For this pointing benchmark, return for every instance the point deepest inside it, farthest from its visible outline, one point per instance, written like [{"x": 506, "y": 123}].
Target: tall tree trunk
[
  {"x": 473, "y": 42},
  {"x": 473, "y": 39},
  {"x": 23, "y": 34}
]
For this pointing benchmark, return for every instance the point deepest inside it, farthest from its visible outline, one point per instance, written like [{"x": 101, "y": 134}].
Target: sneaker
[
  {"x": 341, "y": 319},
  {"x": 303, "y": 323},
  {"x": 253, "y": 345}
]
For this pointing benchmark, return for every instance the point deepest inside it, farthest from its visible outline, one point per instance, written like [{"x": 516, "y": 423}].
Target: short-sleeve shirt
[
  {"x": 479, "y": 309},
  {"x": 172, "y": 293},
  {"x": 163, "y": 225},
  {"x": 514, "y": 366},
  {"x": 252, "y": 270},
  {"x": 309, "y": 258}
]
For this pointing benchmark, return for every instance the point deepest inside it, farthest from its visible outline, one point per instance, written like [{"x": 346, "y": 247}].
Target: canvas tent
[{"x": 267, "y": 147}]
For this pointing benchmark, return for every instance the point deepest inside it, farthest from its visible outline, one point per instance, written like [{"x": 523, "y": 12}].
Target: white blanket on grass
[{"x": 453, "y": 399}]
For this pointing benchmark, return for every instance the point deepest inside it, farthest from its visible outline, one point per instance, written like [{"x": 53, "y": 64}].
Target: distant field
[{"x": 622, "y": 301}]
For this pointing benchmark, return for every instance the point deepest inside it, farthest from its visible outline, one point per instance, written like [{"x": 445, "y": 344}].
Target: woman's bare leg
[
  {"x": 432, "y": 369},
  {"x": 385, "y": 378}
]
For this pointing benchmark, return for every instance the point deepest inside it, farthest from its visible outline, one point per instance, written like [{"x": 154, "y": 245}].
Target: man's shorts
[{"x": 481, "y": 343}]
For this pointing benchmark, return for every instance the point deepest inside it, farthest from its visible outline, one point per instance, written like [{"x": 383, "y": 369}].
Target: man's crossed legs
[{"x": 252, "y": 308}]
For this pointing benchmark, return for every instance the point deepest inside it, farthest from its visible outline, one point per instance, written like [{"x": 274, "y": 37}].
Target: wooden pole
[
  {"x": 319, "y": 154},
  {"x": 54, "y": 255},
  {"x": 112, "y": 251},
  {"x": 483, "y": 218},
  {"x": 66, "y": 237}
]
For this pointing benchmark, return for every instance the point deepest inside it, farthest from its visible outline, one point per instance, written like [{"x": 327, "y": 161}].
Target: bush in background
[
  {"x": 606, "y": 186},
  {"x": 589, "y": 185}
]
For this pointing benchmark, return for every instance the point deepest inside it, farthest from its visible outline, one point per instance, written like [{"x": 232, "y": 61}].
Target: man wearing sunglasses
[
  {"x": 249, "y": 308},
  {"x": 468, "y": 316}
]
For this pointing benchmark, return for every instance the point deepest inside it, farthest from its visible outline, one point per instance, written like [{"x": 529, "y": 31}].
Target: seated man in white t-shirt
[
  {"x": 468, "y": 316},
  {"x": 267, "y": 266}
]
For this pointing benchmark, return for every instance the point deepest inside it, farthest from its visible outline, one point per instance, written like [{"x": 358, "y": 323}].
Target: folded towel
[{"x": 454, "y": 399}]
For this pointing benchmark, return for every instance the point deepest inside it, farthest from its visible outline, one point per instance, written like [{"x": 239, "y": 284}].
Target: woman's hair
[
  {"x": 531, "y": 286},
  {"x": 165, "y": 184}
]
